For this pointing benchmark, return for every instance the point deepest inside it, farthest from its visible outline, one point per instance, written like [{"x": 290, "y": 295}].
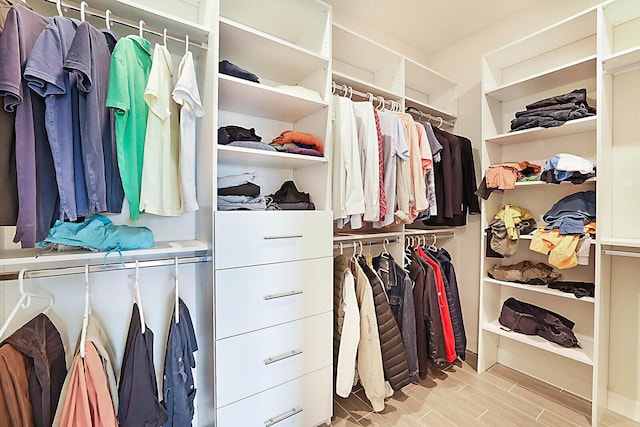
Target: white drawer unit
[
  {"x": 265, "y": 237},
  {"x": 296, "y": 403},
  {"x": 257, "y": 297},
  {"x": 253, "y": 362}
]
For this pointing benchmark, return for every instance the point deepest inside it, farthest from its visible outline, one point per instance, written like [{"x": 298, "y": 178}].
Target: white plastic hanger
[
  {"x": 141, "y": 28},
  {"x": 24, "y": 302},
  {"x": 107, "y": 18},
  {"x": 441, "y": 122},
  {"x": 59, "y": 7},
  {"x": 137, "y": 298},
  {"x": 164, "y": 37},
  {"x": 83, "y": 6},
  {"x": 186, "y": 44},
  {"x": 341, "y": 249},
  {"x": 87, "y": 311},
  {"x": 432, "y": 247},
  {"x": 177, "y": 304}
]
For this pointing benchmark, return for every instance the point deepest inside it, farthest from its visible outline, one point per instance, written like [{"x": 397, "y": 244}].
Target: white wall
[{"x": 461, "y": 63}]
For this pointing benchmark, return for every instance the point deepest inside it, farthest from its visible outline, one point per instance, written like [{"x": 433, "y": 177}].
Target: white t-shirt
[
  {"x": 187, "y": 95},
  {"x": 160, "y": 191}
]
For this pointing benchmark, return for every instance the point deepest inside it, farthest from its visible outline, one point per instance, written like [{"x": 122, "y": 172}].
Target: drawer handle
[
  {"x": 296, "y": 236},
  {"x": 275, "y": 420},
  {"x": 282, "y": 295},
  {"x": 280, "y": 357}
]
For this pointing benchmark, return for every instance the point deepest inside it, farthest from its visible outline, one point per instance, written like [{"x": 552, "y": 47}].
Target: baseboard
[{"x": 623, "y": 406}]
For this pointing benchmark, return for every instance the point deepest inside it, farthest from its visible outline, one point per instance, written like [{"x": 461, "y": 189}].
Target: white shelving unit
[
  {"x": 551, "y": 62},
  {"x": 273, "y": 306},
  {"x": 598, "y": 49}
]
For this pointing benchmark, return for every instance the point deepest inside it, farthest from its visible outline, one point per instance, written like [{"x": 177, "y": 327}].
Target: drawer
[
  {"x": 250, "y": 363},
  {"x": 303, "y": 402},
  {"x": 254, "y": 238},
  {"x": 257, "y": 297}
]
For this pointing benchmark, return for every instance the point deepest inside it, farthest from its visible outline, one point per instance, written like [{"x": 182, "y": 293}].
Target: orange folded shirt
[{"x": 291, "y": 136}]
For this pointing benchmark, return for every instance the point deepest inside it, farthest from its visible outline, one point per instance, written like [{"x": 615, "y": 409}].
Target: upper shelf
[
  {"x": 235, "y": 38},
  {"x": 540, "y": 289},
  {"x": 571, "y": 127},
  {"x": 575, "y": 71},
  {"x": 364, "y": 86},
  {"x": 240, "y": 156},
  {"x": 622, "y": 61},
  {"x": 243, "y": 96}
]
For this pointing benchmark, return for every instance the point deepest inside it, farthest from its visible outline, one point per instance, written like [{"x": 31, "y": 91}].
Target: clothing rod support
[
  {"x": 131, "y": 24},
  {"x": 64, "y": 271},
  {"x": 621, "y": 253}
]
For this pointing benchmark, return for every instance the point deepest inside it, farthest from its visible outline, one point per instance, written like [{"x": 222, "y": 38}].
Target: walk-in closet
[{"x": 294, "y": 213}]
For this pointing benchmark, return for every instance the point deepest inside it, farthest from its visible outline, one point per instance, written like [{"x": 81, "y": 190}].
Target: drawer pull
[
  {"x": 275, "y": 420},
  {"x": 296, "y": 236},
  {"x": 280, "y": 357},
  {"x": 282, "y": 295}
]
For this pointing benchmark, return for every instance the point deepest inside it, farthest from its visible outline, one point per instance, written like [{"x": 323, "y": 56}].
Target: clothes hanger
[
  {"x": 107, "y": 16},
  {"x": 87, "y": 311},
  {"x": 350, "y": 92},
  {"x": 186, "y": 44},
  {"x": 344, "y": 90},
  {"x": 177, "y": 304},
  {"x": 432, "y": 247},
  {"x": 141, "y": 28},
  {"x": 83, "y": 6},
  {"x": 24, "y": 301},
  {"x": 137, "y": 298},
  {"x": 369, "y": 96},
  {"x": 441, "y": 122},
  {"x": 341, "y": 249},
  {"x": 59, "y": 7},
  {"x": 333, "y": 88},
  {"x": 385, "y": 252},
  {"x": 380, "y": 105},
  {"x": 164, "y": 37}
]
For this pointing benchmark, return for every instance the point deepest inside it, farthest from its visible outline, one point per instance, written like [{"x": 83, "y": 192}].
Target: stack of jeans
[{"x": 554, "y": 111}]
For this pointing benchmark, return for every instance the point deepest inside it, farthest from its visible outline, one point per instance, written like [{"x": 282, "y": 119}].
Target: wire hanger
[
  {"x": 24, "y": 302},
  {"x": 137, "y": 298},
  {"x": 177, "y": 304},
  {"x": 87, "y": 311},
  {"x": 107, "y": 18}
]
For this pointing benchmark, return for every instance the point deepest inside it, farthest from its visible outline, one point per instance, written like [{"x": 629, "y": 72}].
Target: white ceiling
[{"x": 429, "y": 25}]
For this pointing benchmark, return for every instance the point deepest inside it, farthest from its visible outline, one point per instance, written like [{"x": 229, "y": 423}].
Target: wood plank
[
  {"x": 513, "y": 408},
  {"x": 550, "y": 419},
  {"x": 493, "y": 419},
  {"x": 341, "y": 417},
  {"x": 400, "y": 407},
  {"x": 354, "y": 406},
  {"x": 375, "y": 420},
  {"x": 433, "y": 419},
  {"x": 470, "y": 377},
  {"x": 450, "y": 408},
  {"x": 611, "y": 418},
  {"x": 549, "y": 405}
]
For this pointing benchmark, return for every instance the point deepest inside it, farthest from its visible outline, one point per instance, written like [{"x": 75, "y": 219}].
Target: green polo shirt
[{"x": 130, "y": 65}]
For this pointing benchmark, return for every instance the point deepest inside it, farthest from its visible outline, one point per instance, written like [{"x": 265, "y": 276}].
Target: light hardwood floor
[{"x": 459, "y": 396}]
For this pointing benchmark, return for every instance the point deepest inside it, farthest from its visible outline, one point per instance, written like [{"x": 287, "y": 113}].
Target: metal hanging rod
[
  {"x": 446, "y": 234},
  {"x": 379, "y": 241},
  {"x": 348, "y": 91},
  {"x": 131, "y": 24},
  {"x": 621, "y": 253},
  {"x": 430, "y": 117},
  {"x": 64, "y": 271}
]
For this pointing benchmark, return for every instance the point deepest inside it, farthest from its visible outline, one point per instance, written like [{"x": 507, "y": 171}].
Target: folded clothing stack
[
  {"x": 239, "y": 192},
  {"x": 295, "y": 142},
  {"x": 289, "y": 198},
  {"x": 567, "y": 167},
  {"x": 231, "y": 69},
  {"x": 554, "y": 111},
  {"x": 503, "y": 176},
  {"x": 237, "y": 136}
]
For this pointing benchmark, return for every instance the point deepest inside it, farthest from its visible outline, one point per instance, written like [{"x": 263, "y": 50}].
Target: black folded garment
[
  {"x": 247, "y": 189},
  {"x": 231, "y": 69},
  {"x": 579, "y": 289},
  {"x": 227, "y": 134},
  {"x": 289, "y": 198},
  {"x": 576, "y": 96},
  {"x": 529, "y": 319}
]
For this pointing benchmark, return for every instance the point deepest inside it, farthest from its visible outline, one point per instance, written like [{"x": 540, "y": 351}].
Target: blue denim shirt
[{"x": 178, "y": 390}]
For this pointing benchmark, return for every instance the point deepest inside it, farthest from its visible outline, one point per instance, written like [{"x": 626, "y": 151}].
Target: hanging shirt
[
  {"x": 21, "y": 29},
  {"x": 138, "y": 403},
  {"x": 178, "y": 390},
  {"x": 394, "y": 143},
  {"x": 369, "y": 162},
  {"x": 8, "y": 178},
  {"x": 383, "y": 196},
  {"x": 89, "y": 60},
  {"x": 48, "y": 79},
  {"x": 130, "y": 66},
  {"x": 161, "y": 187},
  {"x": 15, "y": 406},
  {"x": 417, "y": 188},
  {"x": 187, "y": 96},
  {"x": 348, "y": 192}
]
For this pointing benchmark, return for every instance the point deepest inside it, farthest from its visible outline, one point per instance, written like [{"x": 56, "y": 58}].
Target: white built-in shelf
[
  {"x": 583, "y": 355},
  {"x": 363, "y": 86},
  {"x": 530, "y": 237},
  {"x": 153, "y": 18},
  {"x": 621, "y": 241},
  {"x": 623, "y": 60},
  {"x": 575, "y": 71},
  {"x": 571, "y": 127},
  {"x": 425, "y": 80},
  {"x": 255, "y": 99},
  {"x": 542, "y": 289},
  {"x": 34, "y": 256},
  {"x": 525, "y": 184},
  {"x": 252, "y": 158},
  {"x": 235, "y": 39}
]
